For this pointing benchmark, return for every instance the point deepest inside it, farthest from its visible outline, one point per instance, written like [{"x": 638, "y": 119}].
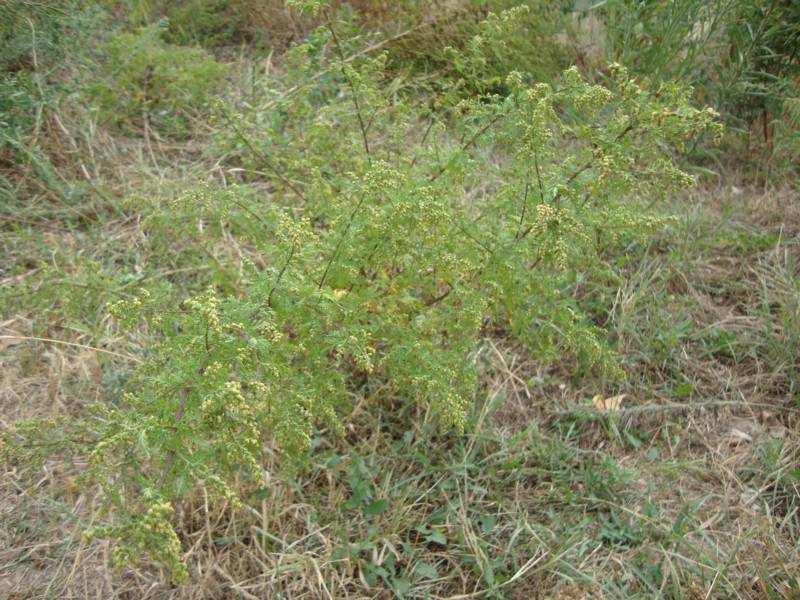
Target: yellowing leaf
[{"x": 612, "y": 403}]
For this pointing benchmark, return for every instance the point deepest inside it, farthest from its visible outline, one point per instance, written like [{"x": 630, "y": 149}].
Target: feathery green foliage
[{"x": 392, "y": 235}]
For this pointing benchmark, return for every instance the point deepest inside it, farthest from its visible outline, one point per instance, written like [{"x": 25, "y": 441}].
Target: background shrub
[
  {"x": 146, "y": 81},
  {"x": 741, "y": 56}
]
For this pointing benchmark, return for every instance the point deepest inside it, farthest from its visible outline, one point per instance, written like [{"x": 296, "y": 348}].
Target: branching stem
[
  {"x": 466, "y": 145},
  {"x": 171, "y": 454},
  {"x": 350, "y": 83},
  {"x": 280, "y": 276},
  {"x": 340, "y": 242},
  {"x": 260, "y": 156}
]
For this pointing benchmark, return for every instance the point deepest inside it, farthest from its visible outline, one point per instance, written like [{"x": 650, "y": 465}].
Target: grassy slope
[{"x": 689, "y": 491}]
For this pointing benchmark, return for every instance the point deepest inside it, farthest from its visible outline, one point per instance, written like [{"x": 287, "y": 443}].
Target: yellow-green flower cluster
[
  {"x": 296, "y": 233},
  {"x": 129, "y": 312},
  {"x": 207, "y": 306},
  {"x": 219, "y": 489},
  {"x": 586, "y": 98},
  {"x": 152, "y": 532}
]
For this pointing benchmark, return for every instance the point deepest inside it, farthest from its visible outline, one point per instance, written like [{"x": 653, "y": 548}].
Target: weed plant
[{"x": 383, "y": 237}]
